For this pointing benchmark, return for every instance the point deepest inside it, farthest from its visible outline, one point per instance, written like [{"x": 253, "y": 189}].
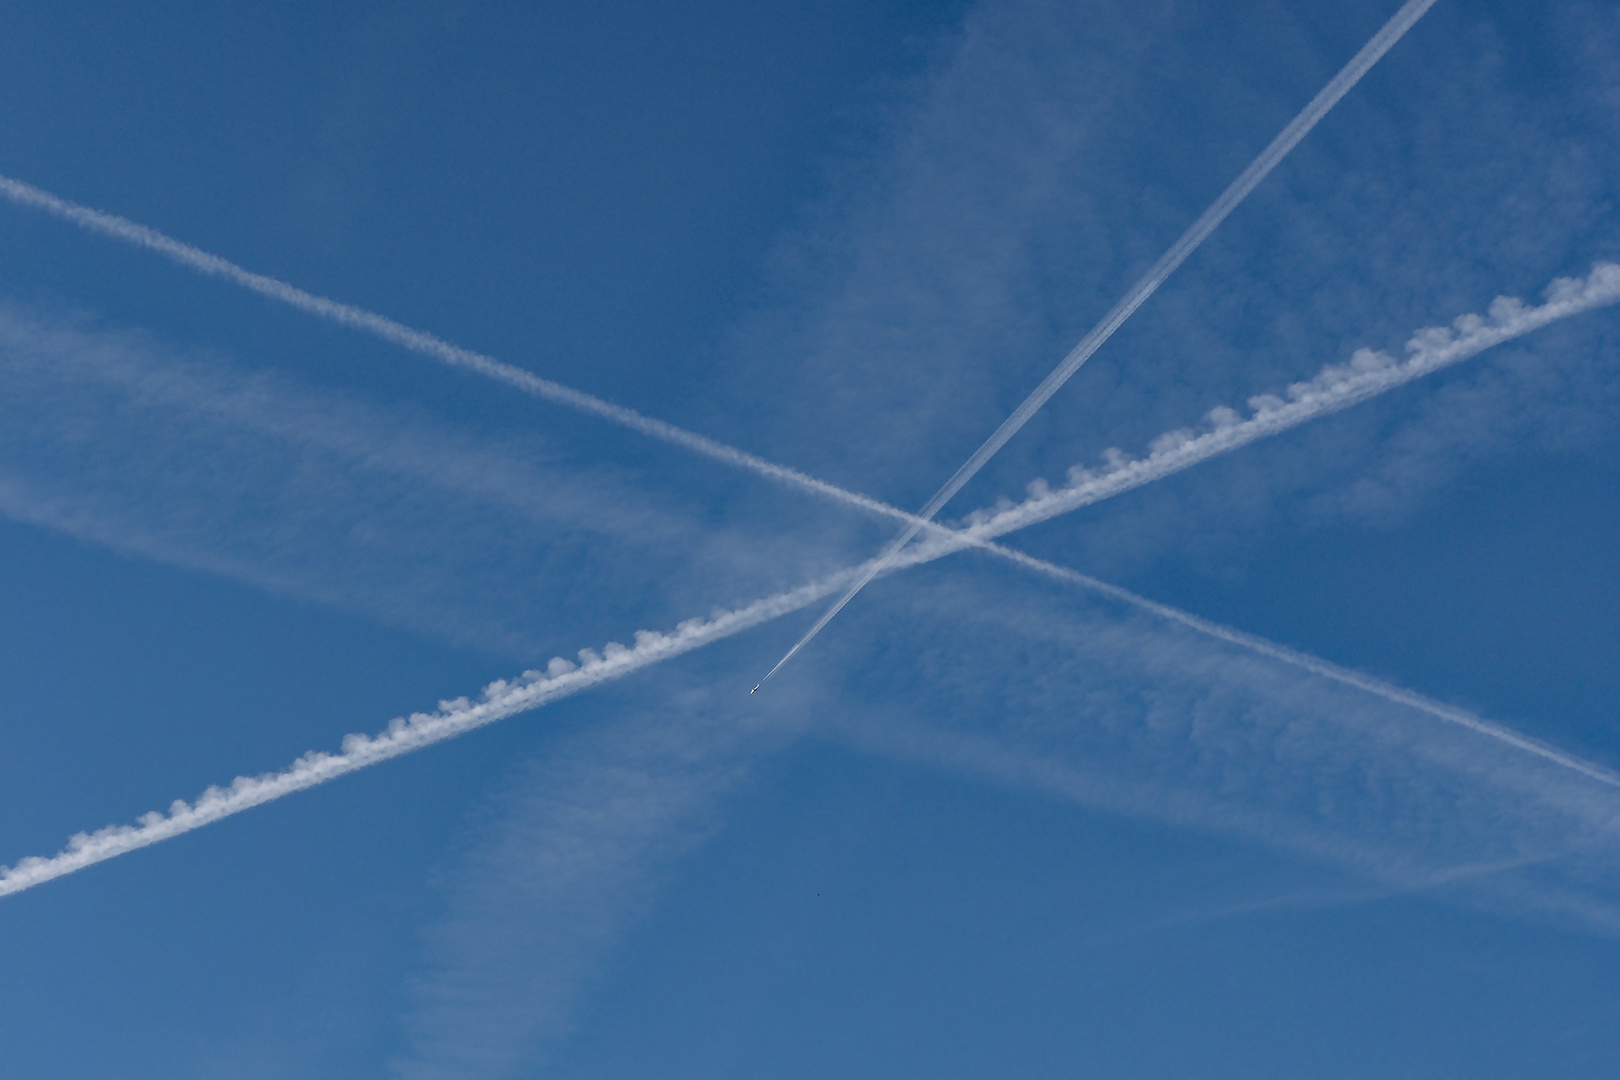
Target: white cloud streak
[
  {"x": 1334, "y": 388},
  {"x": 1207, "y": 222}
]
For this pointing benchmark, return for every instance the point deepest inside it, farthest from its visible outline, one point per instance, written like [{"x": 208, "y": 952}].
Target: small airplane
[{"x": 755, "y": 690}]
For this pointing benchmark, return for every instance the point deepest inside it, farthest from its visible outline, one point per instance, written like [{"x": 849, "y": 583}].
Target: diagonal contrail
[
  {"x": 1335, "y": 388},
  {"x": 1195, "y": 235},
  {"x": 423, "y": 343}
]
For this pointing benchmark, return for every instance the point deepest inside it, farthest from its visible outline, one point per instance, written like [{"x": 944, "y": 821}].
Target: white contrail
[
  {"x": 1329, "y": 670},
  {"x": 1195, "y": 235},
  {"x": 1335, "y": 388},
  {"x": 1370, "y": 373},
  {"x": 423, "y": 343},
  {"x": 561, "y": 679}
]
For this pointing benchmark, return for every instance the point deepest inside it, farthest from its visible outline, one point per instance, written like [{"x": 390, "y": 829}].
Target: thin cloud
[
  {"x": 419, "y": 341},
  {"x": 1334, "y": 388}
]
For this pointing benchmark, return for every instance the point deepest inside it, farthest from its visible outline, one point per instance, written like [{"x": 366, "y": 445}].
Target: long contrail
[
  {"x": 423, "y": 343},
  {"x": 1333, "y": 389},
  {"x": 1195, "y": 235}
]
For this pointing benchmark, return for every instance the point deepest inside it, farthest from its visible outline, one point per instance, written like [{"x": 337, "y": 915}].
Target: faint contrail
[
  {"x": 1195, "y": 235},
  {"x": 1329, "y": 670},
  {"x": 1333, "y": 389}
]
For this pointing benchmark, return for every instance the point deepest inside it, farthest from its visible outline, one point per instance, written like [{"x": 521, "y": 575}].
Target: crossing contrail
[
  {"x": 1333, "y": 389},
  {"x": 1326, "y": 395},
  {"x": 1195, "y": 235}
]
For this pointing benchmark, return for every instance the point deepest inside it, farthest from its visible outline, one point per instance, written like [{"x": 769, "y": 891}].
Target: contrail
[
  {"x": 423, "y": 343},
  {"x": 1333, "y": 389},
  {"x": 499, "y": 700},
  {"x": 1328, "y": 670},
  {"x": 1195, "y": 235}
]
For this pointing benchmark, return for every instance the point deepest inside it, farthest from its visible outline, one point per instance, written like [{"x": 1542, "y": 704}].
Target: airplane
[{"x": 755, "y": 690}]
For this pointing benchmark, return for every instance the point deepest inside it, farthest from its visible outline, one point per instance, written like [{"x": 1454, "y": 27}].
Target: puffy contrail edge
[
  {"x": 1335, "y": 388},
  {"x": 1319, "y": 106}
]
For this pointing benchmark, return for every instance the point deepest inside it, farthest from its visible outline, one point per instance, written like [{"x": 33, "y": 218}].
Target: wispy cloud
[
  {"x": 1368, "y": 374},
  {"x": 418, "y": 341},
  {"x": 1124, "y": 715},
  {"x": 1335, "y": 388}
]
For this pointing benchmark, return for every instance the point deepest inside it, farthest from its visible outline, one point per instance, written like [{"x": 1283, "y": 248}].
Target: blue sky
[{"x": 986, "y": 825}]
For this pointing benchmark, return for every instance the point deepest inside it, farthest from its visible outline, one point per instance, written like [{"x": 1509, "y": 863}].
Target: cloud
[{"x": 420, "y": 342}]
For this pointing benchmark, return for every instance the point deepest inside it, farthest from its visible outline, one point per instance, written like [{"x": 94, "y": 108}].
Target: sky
[{"x": 1352, "y": 817}]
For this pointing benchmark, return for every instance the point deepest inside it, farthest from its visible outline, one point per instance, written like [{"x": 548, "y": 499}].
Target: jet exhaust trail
[
  {"x": 436, "y": 348},
  {"x": 423, "y": 343},
  {"x": 1196, "y": 234},
  {"x": 1333, "y": 389}
]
